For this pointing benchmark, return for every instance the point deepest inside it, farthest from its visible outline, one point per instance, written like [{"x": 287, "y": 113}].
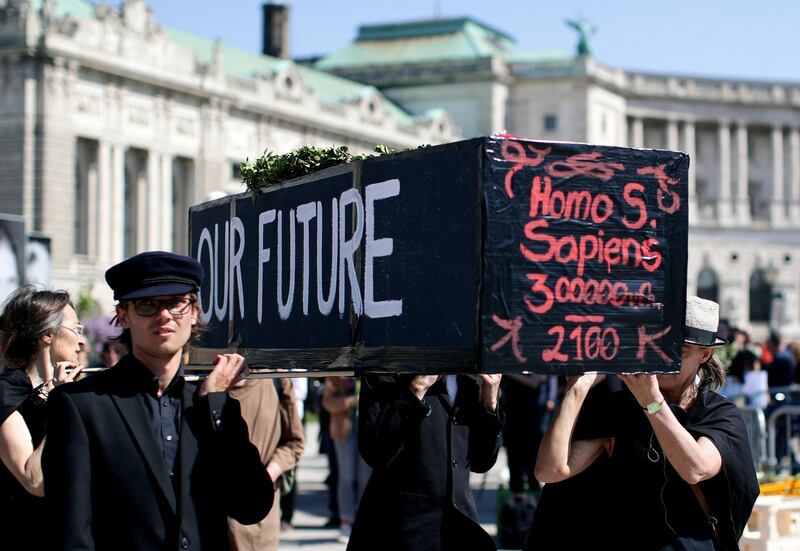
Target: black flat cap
[{"x": 153, "y": 274}]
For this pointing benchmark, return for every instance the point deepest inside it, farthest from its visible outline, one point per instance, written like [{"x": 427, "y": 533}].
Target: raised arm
[
  {"x": 693, "y": 459},
  {"x": 486, "y": 426},
  {"x": 560, "y": 457},
  {"x": 249, "y": 490},
  {"x": 389, "y": 408}
]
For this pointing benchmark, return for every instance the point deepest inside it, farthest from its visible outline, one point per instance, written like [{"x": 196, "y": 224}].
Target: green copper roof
[
  {"x": 76, "y": 8},
  {"x": 391, "y": 31},
  {"x": 242, "y": 63},
  {"x": 235, "y": 61},
  {"x": 339, "y": 90},
  {"x": 419, "y": 42},
  {"x": 246, "y": 64}
]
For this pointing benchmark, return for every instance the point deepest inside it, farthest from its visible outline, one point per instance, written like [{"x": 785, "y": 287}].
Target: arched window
[
  {"x": 707, "y": 286},
  {"x": 760, "y": 296}
]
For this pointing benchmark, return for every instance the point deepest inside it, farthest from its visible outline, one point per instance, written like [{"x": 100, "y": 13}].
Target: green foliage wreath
[{"x": 271, "y": 169}]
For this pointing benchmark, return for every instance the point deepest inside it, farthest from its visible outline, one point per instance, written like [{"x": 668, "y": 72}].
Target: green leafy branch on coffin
[{"x": 271, "y": 169}]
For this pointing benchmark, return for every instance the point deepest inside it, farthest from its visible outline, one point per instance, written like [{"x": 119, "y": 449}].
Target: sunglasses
[{"x": 177, "y": 306}]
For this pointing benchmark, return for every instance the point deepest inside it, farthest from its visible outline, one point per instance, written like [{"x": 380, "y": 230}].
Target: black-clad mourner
[
  {"x": 40, "y": 342},
  {"x": 423, "y": 435},
  {"x": 678, "y": 472},
  {"x": 138, "y": 457}
]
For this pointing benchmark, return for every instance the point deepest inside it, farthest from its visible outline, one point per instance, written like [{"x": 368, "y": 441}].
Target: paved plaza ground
[{"x": 311, "y": 514}]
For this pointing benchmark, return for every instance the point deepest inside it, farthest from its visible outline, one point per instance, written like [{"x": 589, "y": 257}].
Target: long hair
[
  {"x": 28, "y": 315},
  {"x": 713, "y": 372}
]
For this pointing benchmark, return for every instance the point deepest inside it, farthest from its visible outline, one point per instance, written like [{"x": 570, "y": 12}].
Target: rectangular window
[
  {"x": 236, "y": 171},
  {"x": 550, "y": 123}
]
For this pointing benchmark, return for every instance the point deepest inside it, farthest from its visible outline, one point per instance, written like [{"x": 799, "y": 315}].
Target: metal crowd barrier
[
  {"x": 787, "y": 411},
  {"x": 763, "y": 428},
  {"x": 756, "y": 425}
]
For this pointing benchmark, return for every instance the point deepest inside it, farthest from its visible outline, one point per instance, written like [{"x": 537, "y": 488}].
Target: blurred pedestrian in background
[
  {"x": 269, "y": 407},
  {"x": 528, "y": 402},
  {"x": 112, "y": 352},
  {"x": 289, "y": 498},
  {"x": 340, "y": 399}
]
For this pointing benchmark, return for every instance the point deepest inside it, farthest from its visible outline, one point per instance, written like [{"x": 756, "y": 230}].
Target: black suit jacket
[
  {"x": 107, "y": 483},
  {"x": 418, "y": 497}
]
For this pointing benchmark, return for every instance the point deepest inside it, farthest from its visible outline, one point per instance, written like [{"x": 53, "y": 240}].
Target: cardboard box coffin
[{"x": 488, "y": 255}]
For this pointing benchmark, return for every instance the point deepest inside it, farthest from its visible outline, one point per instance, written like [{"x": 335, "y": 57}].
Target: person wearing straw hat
[
  {"x": 137, "y": 457},
  {"x": 678, "y": 468}
]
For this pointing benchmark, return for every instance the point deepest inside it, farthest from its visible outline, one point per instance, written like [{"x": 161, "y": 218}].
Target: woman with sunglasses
[{"x": 40, "y": 339}]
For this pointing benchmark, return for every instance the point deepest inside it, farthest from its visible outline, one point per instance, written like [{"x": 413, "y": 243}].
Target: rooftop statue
[{"x": 585, "y": 30}]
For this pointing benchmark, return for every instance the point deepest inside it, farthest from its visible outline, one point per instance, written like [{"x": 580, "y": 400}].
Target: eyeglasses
[
  {"x": 78, "y": 329},
  {"x": 177, "y": 306}
]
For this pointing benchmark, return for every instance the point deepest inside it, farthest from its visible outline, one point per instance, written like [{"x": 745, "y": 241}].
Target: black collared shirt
[{"x": 163, "y": 412}]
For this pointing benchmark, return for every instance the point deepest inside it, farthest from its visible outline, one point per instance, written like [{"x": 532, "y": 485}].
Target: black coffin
[{"x": 489, "y": 255}]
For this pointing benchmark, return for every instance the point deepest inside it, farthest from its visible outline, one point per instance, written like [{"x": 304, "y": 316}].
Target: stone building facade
[
  {"x": 743, "y": 138},
  {"x": 112, "y": 125}
]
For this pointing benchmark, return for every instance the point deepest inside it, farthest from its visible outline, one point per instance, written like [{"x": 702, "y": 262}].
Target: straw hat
[{"x": 702, "y": 322}]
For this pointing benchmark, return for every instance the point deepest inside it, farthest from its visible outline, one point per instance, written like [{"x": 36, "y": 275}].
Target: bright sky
[{"x": 728, "y": 38}]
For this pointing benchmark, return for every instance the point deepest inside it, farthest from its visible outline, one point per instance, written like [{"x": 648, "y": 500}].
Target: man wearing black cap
[{"x": 139, "y": 458}]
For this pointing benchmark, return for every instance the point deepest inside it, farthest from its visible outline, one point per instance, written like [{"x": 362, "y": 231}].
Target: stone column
[
  {"x": 263, "y": 134},
  {"x": 672, "y": 134},
  {"x": 742, "y": 175},
  {"x": 116, "y": 229},
  {"x": 794, "y": 176},
  {"x": 92, "y": 193},
  {"x": 141, "y": 214},
  {"x": 777, "y": 204},
  {"x": 637, "y": 132},
  {"x": 154, "y": 208},
  {"x": 104, "y": 203},
  {"x": 724, "y": 214},
  {"x": 167, "y": 212},
  {"x": 690, "y": 147}
]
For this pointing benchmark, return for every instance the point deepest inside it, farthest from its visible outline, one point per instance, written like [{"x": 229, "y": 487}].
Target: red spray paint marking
[
  {"x": 513, "y": 327},
  {"x": 514, "y": 152},
  {"x": 584, "y": 319},
  {"x": 647, "y": 340},
  {"x": 584, "y": 164},
  {"x": 664, "y": 183},
  {"x": 566, "y": 249}
]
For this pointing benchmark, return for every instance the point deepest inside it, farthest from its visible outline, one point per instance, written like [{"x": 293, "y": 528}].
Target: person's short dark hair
[
  {"x": 29, "y": 314},
  {"x": 116, "y": 346},
  {"x": 743, "y": 362},
  {"x": 774, "y": 338}
]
